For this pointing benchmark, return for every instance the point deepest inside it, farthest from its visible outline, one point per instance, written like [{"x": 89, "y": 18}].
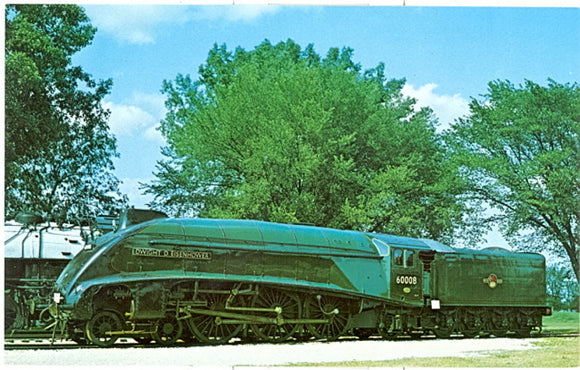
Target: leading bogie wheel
[{"x": 100, "y": 328}]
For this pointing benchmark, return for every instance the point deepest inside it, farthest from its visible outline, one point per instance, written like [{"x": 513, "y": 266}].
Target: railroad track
[
  {"x": 43, "y": 341},
  {"x": 46, "y": 343}
]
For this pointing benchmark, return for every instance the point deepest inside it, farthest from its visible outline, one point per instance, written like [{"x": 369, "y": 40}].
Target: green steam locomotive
[{"x": 213, "y": 281}]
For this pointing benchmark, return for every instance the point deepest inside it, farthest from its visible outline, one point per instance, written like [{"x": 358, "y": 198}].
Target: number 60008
[{"x": 406, "y": 280}]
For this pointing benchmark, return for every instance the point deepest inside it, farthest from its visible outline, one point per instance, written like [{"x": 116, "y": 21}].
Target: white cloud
[
  {"x": 446, "y": 107},
  {"x": 154, "y": 102},
  {"x": 139, "y": 24},
  {"x": 139, "y": 116},
  {"x": 135, "y": 24},
  {"x": 126, "y": 119},
  {"x": 235, "y": 13}
]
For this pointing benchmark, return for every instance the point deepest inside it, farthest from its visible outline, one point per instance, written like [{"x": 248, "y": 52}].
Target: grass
[
  {"x": 551, "y": 353},
  {"x": 562, "y": 323},
  {"x": 560, "y": 351}
]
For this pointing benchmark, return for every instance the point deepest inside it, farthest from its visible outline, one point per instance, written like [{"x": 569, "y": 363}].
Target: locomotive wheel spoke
[
  {"x": 100, "y": 325},
  {"x": 333, "y": 309},
  {"x": 210, "y": 329},
  {"x": 291, "y": 309},
  {"x": 169, "y": 330}
]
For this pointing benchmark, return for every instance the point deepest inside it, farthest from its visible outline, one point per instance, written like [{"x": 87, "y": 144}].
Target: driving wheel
[
  {"x": 290, "y": 308},
  {"x": 332, "y": 309},
  {"x": 213, "y": 328}
]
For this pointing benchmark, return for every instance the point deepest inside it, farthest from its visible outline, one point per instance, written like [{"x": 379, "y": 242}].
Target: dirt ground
[{"x": 260, "y": 355}]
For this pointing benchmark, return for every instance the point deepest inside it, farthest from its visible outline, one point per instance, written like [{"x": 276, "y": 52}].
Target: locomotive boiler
[{"x": 213, "y": 280}]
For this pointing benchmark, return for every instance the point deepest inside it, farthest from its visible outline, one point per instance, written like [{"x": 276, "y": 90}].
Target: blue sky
[{"x": 447, "y": 55}]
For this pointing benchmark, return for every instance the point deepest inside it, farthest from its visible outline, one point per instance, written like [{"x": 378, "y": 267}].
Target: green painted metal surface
[
  {"x": 489, "y": 278},
  {"x": 254, "y": 251},
  {"x": 310, "y": 258}
]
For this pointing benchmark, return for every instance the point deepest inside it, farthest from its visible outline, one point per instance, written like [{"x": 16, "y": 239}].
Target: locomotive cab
[{"x": 406, "y": 276}]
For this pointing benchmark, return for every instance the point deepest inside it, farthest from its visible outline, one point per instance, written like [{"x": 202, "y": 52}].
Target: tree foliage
[
  {"x": 519, "y": 151},
  {"x": 280, "y": 134},
  {"x": 58, "y": 145},
  {"x": 561, "y": 288}
]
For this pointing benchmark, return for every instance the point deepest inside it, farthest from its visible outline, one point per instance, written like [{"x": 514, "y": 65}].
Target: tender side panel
[{"x": 488, "y": 279}]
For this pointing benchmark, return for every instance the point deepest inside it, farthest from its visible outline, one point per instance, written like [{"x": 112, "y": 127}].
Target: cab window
[
  {"x": 409, "y": 259},
  {"x": 398, "y": 256}
]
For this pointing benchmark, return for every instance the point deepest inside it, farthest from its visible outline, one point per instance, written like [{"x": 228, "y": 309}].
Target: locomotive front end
[{"x": 70, "y": 301}]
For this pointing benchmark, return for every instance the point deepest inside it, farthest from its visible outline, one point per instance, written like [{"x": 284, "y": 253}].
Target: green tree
[
  {"x": 58, "y": 145},
  {"x": 280, "y": 134},
  {"x": 562, "y": 288},
  {"x": 519, "y": 151}
]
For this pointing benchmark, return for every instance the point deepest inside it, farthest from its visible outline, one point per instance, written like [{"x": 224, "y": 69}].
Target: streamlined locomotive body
[{"x": 214, "y": 280}]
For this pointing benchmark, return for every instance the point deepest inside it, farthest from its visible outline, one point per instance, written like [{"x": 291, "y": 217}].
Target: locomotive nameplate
[{"x": 163, "y": 253}]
